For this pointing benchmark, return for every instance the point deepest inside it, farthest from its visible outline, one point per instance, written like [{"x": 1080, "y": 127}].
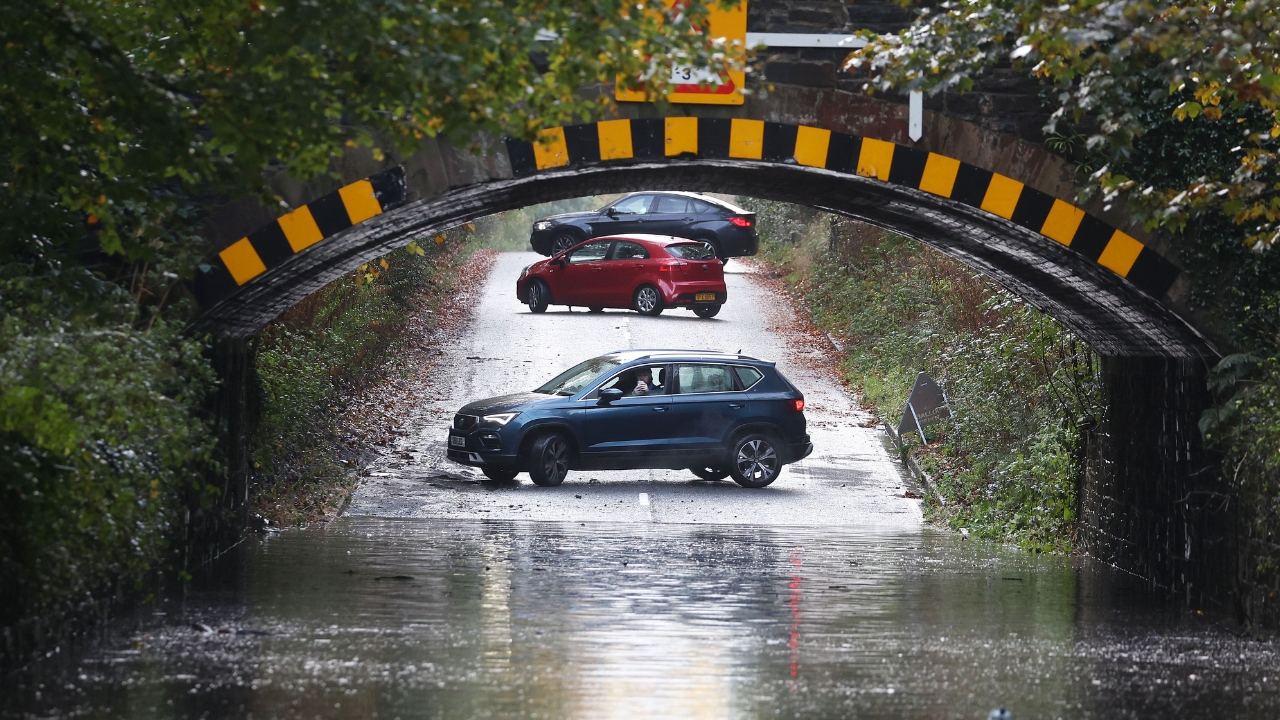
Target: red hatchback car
[{"x": 647, "y": 273}]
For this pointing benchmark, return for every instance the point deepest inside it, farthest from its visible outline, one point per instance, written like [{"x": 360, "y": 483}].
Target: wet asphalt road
[{"x": 848, "y": 481}]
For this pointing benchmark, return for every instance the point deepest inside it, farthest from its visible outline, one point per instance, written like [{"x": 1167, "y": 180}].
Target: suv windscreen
[
  {"x": 691, "y": 251},
  {"x": 571, "y": 381}
]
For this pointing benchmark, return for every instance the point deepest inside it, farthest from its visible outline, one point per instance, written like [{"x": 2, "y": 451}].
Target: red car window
[
  {"x": 590, "y": 252},
  {"x": 691, "y": 251},
  {"x": 630, "y": 251}
]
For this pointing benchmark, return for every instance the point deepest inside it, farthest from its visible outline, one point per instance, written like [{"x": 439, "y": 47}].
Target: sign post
[{"x": 692, "y": 85}]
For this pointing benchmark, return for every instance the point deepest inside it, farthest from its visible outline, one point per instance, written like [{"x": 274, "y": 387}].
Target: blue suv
[{"x": 716, "y": 414}]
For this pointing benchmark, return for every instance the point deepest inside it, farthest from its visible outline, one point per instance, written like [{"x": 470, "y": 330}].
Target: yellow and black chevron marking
[
  {"x": 267, "y": 247},
  {"x": 723, "y": 138}
]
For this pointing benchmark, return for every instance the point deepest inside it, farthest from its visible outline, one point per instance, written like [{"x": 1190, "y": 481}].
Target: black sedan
[
  {"x": 714, "y": 414},
  {"x": 729, "y": 229}
]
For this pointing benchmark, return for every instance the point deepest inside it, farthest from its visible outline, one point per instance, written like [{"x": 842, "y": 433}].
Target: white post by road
[{"x": 915, "y": 117}]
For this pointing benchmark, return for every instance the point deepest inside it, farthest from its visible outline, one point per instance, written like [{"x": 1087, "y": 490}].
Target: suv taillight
[
  {"x": 740, "y": 221},
  {"x": 798, "y": 405}
]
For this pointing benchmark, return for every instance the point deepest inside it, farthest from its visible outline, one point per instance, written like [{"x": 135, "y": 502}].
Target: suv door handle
[
  {"x": 736, "y": 406},
  {"x": 659, "y": 409}
]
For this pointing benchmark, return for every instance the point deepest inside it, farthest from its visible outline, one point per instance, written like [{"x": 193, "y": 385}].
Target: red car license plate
[{"x": 704, "y": 296}]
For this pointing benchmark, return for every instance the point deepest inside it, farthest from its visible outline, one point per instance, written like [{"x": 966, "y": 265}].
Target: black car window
[
  {"x": 691, "y": 251},
  {"x": 590, "y": 252},
  {"x": 630, "y": 251},
  {"x": 702, "y": 207},
  {"x": 672, "y": 204},
  {"x": 571, "y": 381},
  {"x": 748, "y": 376},
  {"x": 628, "y": 381},
  {"x": 634, "y": 205},
  {"x": 704, "y": 379}
]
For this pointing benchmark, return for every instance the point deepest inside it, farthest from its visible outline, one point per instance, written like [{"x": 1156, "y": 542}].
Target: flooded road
[
  {"x": 646, "y": 594},
  {"x": 386, "y": 618}
]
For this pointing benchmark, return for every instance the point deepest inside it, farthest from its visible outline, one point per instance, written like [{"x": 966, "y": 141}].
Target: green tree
[
  {"x": 123, "y": 113},
  {"x": 1101, "y": 59}
]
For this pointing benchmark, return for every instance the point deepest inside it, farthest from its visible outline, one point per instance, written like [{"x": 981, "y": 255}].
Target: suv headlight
[
  {"x": 542, "y": 225},
  {"x": 500, "y": 418}
]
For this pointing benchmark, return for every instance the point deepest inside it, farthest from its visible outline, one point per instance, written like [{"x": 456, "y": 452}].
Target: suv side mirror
[
  {"x": 609, "y": 395},
  {"x": 611, "y": 212}
]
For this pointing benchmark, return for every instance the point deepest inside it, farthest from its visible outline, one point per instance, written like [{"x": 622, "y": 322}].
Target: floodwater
[{"x": 395, "y": 618}]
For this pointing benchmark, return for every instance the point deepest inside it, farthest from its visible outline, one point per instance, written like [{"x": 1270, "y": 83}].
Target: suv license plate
[
  {"x": 457, "y": 441},
  {"x": 704, "y": 296}
]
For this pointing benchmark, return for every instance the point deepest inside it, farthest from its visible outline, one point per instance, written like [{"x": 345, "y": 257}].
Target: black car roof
[{"x": 724, "y": 204}]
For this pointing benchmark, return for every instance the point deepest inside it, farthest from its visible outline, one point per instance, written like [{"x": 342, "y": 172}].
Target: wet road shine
[{"x": 647, "y": 594}]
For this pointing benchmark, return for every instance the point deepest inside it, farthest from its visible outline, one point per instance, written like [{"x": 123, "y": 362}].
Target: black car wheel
[
  {"x": 707, "y": 473},
  {"x": 538, "y": 296},
  {"x": 596, "y": 309},
  {"x": 706, "y": 311},
  {"x": 564, "y": 241},
  {"x": 499, "y": 474},
  {"x": 755, "y": 461},
  {"x": 549, "y": 460},
  {"x": 716, "y": 248},
  {"x": 647, "y": 300}
]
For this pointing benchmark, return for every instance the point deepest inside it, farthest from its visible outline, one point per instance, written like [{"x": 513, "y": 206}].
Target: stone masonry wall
[{"x": 1004, "y": 100}]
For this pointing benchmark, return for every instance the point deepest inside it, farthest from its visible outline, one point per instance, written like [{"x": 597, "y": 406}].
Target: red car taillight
[
  {"x": 740, "y": 221},
  {"x": 798, "y": 405},
  {"x": 671, "y": 265}
]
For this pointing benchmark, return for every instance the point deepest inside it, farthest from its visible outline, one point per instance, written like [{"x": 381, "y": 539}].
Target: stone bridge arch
[{"x": 1001, "y": 204}]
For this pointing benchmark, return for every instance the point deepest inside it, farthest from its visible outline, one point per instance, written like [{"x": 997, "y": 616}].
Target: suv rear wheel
[
  {"x": 549, "y": 460},
  {"x": 755, "y": 461}
]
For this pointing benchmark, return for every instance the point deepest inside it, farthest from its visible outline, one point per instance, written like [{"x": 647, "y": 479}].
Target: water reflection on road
[{"x": 383, "y": 618}]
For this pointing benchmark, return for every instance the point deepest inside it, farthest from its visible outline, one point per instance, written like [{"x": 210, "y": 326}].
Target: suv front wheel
[
  {"x": 549, "y": 460},
  {"x": 755, "y": 461}
]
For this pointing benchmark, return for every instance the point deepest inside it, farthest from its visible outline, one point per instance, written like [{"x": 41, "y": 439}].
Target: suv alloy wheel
[{"x": 755, "y": 462}]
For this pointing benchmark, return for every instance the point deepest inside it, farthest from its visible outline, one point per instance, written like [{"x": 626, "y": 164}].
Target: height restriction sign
[{"x": 694, "y": 85}]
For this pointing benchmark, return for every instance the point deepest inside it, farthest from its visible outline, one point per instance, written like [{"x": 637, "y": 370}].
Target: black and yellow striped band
[{"x": 724, "y": 138}]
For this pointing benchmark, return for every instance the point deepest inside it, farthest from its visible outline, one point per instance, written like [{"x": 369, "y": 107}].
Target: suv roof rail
[{"x": 664, "y": 352}]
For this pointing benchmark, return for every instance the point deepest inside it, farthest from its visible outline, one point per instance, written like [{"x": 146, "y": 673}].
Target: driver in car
[{"x": 645, "y": 383}]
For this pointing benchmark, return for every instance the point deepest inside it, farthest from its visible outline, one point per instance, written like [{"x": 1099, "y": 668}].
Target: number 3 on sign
[{"x": 689, "y": 75}]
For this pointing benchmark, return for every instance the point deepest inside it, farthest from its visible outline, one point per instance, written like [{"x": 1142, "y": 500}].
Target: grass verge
[{"x": 322, "y": 363}]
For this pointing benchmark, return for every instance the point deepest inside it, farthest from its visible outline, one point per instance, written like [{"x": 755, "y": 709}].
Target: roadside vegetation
[
  {"x": 1171, "y": 110},
  {"x": 1022, "y": 389}
]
